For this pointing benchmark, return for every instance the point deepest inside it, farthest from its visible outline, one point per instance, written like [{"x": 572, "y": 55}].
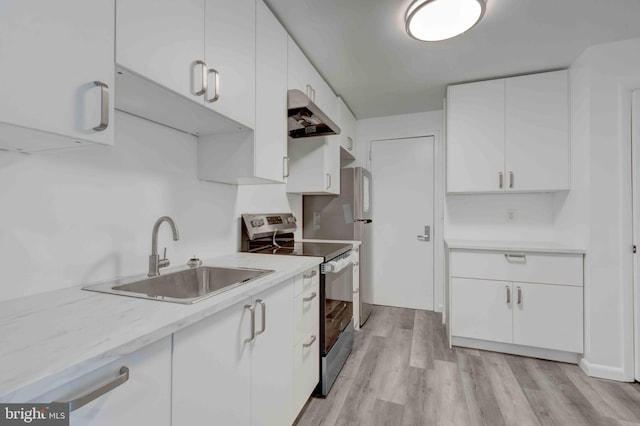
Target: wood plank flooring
[{"x": 402, "y": 372}]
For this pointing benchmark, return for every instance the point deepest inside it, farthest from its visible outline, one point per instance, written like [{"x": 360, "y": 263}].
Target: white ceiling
[{"x": 360, "y": 46}]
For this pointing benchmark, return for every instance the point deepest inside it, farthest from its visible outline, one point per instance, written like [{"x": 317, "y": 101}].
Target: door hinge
[{"x": 635, "y": 249}]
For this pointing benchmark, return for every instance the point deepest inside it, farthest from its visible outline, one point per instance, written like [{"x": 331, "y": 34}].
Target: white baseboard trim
[
  {"x": 509, "y": 348},
  {"x": 604, "y": 371}
]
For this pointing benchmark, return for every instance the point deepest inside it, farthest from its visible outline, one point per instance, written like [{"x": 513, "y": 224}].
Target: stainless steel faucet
[{"x": 155, "y": 263}]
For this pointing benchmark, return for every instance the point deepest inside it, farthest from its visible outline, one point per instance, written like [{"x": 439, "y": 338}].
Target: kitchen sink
[{"x": 185, "y": 286}]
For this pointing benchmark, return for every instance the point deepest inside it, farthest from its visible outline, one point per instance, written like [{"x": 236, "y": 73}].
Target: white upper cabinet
[
  {"x": 230, "y": 49},
  {"x": 348, "y": 132},
  {"x": 203, "y": 50},
  {"x": 509, "y": 135},
  {"x": 259, "y": 156},
  {"x": 57, "y": 74},
  {"x": 537, "y": 132},
  {"x": 314, "y": 162}
]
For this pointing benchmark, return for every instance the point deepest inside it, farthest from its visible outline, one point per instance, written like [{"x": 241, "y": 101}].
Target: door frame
[
  {"x": 437, "y": 231},
  {"x": 635, "y": 202}
]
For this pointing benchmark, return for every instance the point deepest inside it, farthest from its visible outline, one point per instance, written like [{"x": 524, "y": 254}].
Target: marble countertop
[
  {"x": 523, "y": 246},
  {"x": 52, "y": 338}
]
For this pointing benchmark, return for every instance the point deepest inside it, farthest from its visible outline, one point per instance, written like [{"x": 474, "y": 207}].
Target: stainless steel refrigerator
[{"x": 345, "y": 217}]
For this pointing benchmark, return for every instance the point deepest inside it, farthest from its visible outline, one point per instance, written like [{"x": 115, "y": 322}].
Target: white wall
[
  {"x": 597, "y": 212},
  {"x": 84, "y": 215}
]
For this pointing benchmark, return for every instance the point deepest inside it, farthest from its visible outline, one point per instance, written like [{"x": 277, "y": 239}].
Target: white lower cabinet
[
  {"x": 481, "y": 310},
  {"x": 223, "y": 374},
  {"x": 488, "y": 302},
  {"x": 143, "y": 399}
]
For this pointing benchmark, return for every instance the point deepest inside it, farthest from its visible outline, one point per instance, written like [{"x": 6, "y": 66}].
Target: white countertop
[
  {"x": 522, "y": 246},
  {"x": 355, "y": 243},
  {"x": 51, "y": 338}
]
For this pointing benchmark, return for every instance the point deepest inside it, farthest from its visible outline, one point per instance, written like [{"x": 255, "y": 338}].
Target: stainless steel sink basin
[{"x": 186, "y": 286}]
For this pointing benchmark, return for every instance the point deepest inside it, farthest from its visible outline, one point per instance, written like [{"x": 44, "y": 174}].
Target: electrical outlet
[{"x": 511, "y": 215}]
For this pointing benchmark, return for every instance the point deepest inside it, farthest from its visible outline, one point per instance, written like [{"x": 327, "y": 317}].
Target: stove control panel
[{"x": 263, "y": 225}]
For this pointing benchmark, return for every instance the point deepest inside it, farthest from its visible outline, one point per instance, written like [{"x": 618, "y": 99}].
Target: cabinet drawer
[
  {"x": 546, "y": 268},
  {"x": 306, "y": 281},
  {"x": 306, "y": 370},
  {"x": 307, "y": 313}
]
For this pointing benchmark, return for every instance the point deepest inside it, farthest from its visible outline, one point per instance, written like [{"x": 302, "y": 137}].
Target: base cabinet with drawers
[{"x": 527, "y": 299}]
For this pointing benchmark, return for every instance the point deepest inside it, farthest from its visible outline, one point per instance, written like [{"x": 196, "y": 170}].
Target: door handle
[
  {"x": 328, "y": 180},
  {"x": 508, "y": 287},
  {"x": 253, "y": 323},
  {"x": 427, "y": 234},
  {"x": 216, "y": 85},
  {"x": 104, "y": 106},
  {"x": 203, "y": 79},
  {"x": 285, "y": 167},
  {"x": 511, "y": 180},
  {"x": 264, "y": 316},
  {"x": 102, "y": 389},
  {"x": 500, "y": 180},
  {"x": 519, "y": 296}
]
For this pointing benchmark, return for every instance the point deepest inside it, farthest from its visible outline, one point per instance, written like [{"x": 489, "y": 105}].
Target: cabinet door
[
  {"x": 348, "y": 127},
  {"x": 52, "y": 52},
  {"x": 212, "y": 370},
  {"x": 475, "y": 137},
  {"x": 272, "y": 358},
  {"x": 271, "y": 95},
  {"x": 548, "y": 316},
  {"x": 481, "y": 309},
  {"x": 161, "y": 40},
  {"x": 144, "y": 399},
  {"x": 537, "y": 132},
  {"x": 309, "y": 167},
  {"x": 230, "y": 52}
]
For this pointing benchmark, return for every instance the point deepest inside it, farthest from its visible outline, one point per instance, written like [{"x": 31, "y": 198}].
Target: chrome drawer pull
[
  {"x": 96, "y": 393},
  {"x": 516, "y": 256},
  {"x": 306, "y": 345},
  {"x": 310, "y": 298},
  {"x": 310, "y": 274}
]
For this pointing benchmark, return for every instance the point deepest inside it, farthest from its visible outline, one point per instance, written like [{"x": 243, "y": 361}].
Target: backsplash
[{"x": 84, "y": 215}]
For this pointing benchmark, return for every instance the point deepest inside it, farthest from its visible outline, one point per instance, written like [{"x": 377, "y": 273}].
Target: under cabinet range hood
[{"x": 306, "y": 119}]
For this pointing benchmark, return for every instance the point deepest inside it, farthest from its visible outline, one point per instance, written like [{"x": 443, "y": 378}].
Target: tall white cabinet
[
  {"x": 57, "y": 74},
  {"x": 509, "y": 135}
]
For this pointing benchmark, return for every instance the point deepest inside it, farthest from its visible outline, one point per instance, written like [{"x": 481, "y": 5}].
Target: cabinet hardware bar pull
[
  {"x": 350, "y": 145},
  {"x": 253, "y": 323},
  {"x": 510, "y": 256},
  {"x": 216, "y": 85},
  {"x": 285, "y": 167},
  {"x": 264, "y": 316},
  {"x": 328, "y": 180},
  {"x": 500, "y": 180},
  {"x": 103, "y": 388},
  {"x": 511, "y": 180},
  {"x": 519, "y": 296},
  {"x": 203, "y": 78},
  {"x": 508, "y": 287},
  {"x": 310, "y": 274},
  {"x": 310, "y": 298},
  {"x": 104, "y": 106},
  {"x": 313, "y": 339}
]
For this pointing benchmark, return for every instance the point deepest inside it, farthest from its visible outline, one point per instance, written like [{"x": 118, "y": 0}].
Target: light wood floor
[{"x": 401, "y": 372}]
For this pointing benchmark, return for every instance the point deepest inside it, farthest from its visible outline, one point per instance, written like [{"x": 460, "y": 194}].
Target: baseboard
[
  {"x": 550, "y": 354},
  {"x": 604, "y": 371}
]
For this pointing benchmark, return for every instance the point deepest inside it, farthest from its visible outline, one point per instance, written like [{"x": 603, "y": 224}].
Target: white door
[
  {"x": 481, "y": 309},
  {"x": 402, "y": 206},
  {"x": 635, "y": 146}
]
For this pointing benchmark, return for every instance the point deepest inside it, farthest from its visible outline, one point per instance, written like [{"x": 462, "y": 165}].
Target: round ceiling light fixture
[{"x": 435, "y": 20}]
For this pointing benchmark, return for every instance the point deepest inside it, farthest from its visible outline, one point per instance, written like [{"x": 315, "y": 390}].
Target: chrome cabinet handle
[
  {"x": 253, "y": 323},
  {"x": 103, "y": 388},
  {"x": 309, "y": 91},
  {"x": 264, "y": 316},
  {"x": 203, "y": 78},
  {"x": 104, "y": 106},
  {"x": 313, "y": 339},
  {"x": 216, "y": 85},
  {"x": 511, "y": 180},
  {"x": 285, "y": 167},
  {"x": 519, "y": 296},
  {"x": 350, "y": 144},
  {"x": 508, "y": 287},
  {"x": 357, "y": 290},
  {"x": 514, "y": 256},
  {"x": 500, "y": 180},
  {"x": 328, "y": 180},
  {"x": 310, "y": 274},
  {"x": 310, "y": 298}
]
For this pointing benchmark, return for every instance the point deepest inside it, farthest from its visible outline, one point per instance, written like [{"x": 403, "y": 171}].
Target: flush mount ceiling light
[{"x": 435, "y": 20}]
